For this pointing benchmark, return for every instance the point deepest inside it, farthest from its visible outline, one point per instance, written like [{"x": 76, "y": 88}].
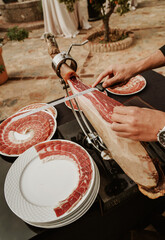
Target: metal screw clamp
[{"x": 61, "y": 58}]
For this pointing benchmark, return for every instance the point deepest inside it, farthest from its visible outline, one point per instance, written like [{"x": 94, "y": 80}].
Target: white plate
[
  {"x": 79, "y": 213},
  {"x": 28, "y": 135},
  {"x": 31, "y": 186},
  {"x": 138, "y": 82}
]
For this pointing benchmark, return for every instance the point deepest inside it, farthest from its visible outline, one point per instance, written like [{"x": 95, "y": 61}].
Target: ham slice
[{"x": 130, "y": 155}]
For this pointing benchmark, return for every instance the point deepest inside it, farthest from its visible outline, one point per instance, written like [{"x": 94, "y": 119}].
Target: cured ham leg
[{"x": 130, "y": 155}]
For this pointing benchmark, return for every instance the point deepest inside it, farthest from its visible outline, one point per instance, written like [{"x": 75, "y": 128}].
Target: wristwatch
[{"x": 161, "y": 136}]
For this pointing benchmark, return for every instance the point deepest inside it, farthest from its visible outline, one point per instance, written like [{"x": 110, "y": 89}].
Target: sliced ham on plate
[
  {"x": 16, "y": 136},
  {"x": 54, "y": 149},
  {"x": 134, "y": 85}
]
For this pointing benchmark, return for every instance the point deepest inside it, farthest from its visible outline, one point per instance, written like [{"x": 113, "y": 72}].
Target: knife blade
[{"x": 54, "y": 103}]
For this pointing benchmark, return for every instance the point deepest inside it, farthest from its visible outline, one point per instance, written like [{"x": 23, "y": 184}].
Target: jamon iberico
[{"x": 130, "y": 155}]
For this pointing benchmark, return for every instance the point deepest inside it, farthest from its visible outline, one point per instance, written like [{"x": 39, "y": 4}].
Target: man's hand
[
  {"x": 120, "y": 72},
  {"x": 136, "y": 123},
  {"x": 116, "y": 73}
]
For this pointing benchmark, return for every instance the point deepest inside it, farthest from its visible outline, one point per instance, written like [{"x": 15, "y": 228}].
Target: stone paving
[{"x": 31, "y": 77}]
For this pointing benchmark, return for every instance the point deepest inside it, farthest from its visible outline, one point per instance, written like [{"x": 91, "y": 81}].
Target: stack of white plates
[{"x": 42, "y": 184}]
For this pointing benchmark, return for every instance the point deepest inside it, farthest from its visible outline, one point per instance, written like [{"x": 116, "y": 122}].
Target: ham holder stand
[{"x": 90, "y": 135}]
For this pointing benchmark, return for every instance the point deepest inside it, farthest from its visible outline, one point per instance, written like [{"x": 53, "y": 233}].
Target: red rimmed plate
[{"x": 133, "y": 86}]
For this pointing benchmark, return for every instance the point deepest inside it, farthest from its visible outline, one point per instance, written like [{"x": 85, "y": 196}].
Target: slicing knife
[{"x": 52, "y": 104}]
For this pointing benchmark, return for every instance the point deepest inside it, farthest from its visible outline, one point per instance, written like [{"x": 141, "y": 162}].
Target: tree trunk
[
  {"x": 106, "y": 23},
  {"x": 106, "y": 29}
]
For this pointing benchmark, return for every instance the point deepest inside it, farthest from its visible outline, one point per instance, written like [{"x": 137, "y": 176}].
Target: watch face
[{"x": 162, "y": 138}]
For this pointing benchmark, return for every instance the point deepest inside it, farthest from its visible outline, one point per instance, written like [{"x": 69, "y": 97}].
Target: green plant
[
  {"x": 106, "y": 8},
  {"x": 16, "y": 33},
  {"x": 2, "y": 68}
]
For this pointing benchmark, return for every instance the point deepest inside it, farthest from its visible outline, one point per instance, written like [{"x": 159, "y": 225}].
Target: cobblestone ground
[{"x": 31, "y": 78}]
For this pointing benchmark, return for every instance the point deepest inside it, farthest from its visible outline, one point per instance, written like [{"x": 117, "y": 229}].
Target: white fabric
[{"x": 60, "y": 22}]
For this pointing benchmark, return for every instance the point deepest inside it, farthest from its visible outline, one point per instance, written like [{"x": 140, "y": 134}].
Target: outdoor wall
[{"x": 26, "y": 11}]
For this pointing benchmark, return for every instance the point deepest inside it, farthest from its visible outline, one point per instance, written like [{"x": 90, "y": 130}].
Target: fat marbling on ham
[{"x": 129, "y": 154}]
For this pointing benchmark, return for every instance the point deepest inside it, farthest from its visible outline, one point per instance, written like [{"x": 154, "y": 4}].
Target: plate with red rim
[
  {"x": 35, "y": 198},
  {"x": 17, "y": 136},
  {"x": 67, "y": 103},
  {"x": 134, "y": 85}
]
